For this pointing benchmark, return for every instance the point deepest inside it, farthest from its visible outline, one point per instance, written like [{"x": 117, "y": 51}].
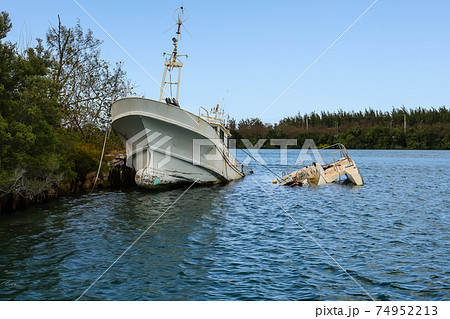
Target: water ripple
[{"x": 232, "y": 242}]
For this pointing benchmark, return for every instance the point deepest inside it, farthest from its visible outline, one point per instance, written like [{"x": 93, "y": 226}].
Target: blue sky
[{"x": 397, "y": 54}]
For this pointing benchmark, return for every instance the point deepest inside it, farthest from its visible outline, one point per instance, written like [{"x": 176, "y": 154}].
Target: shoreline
[{"x": 119, "y": 176}]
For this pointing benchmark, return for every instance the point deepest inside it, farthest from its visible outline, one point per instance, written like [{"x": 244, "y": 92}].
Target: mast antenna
[{"x": 172, "y": 61}]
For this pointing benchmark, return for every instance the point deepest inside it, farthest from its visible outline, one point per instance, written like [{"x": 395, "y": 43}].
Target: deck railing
[{"x": 327, "y": 158}]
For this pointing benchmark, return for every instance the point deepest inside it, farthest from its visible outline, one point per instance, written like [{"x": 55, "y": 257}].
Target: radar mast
[{"x": 172, "y": 61}]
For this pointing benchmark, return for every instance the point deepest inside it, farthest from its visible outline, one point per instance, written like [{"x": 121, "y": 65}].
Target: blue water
[{"x": 233, "y": 241}]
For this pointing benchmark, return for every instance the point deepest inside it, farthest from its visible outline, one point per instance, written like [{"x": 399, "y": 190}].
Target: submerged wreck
[{"x": 339, "y": 164}]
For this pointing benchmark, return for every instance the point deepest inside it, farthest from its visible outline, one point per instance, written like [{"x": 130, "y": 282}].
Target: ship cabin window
[{"x": 222, "y": 135}]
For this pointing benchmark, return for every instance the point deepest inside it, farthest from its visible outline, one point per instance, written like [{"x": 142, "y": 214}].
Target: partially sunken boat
[
  {"x": 320, "y": 174},
  {"x": 169, "y": 145}
]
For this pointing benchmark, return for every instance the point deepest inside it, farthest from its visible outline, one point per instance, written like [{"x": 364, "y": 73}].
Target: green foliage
[
  {"x": 54, "y": 105},
  {"x": 425, "y": 129},
  {"x": 446, "y": 141},
  {"x": 85, "y": 158},
  {"x": 86, "y": 84},
  {"x": 30, "y": 163},
  {"x": 5, "y": 24}
]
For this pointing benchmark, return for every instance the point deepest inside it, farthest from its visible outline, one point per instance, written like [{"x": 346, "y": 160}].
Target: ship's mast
[{"x": 172, "y": 60}]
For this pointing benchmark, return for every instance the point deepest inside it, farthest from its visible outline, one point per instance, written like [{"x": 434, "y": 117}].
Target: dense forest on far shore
[{"x": 399, "y": 129}]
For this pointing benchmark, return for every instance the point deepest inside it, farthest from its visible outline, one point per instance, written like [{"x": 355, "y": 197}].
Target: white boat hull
[
  {"x": 168, "y": 145},
  {"x": 318, "y": 174}
]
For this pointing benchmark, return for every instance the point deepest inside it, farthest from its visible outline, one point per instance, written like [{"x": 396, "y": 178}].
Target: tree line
[
  {"x": 400, "y": 128},
  {"x": 55, "y": 102}
]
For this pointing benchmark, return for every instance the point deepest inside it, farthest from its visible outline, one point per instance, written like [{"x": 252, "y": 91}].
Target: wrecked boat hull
[
  {"x": 321, "y": 174},
  {"x": 161, "y": 145}
]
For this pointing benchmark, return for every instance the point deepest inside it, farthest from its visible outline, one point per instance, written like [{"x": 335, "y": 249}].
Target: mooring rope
[
  {"x": 101, "y": 159},
  {"x": 278, "y": 177}
]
